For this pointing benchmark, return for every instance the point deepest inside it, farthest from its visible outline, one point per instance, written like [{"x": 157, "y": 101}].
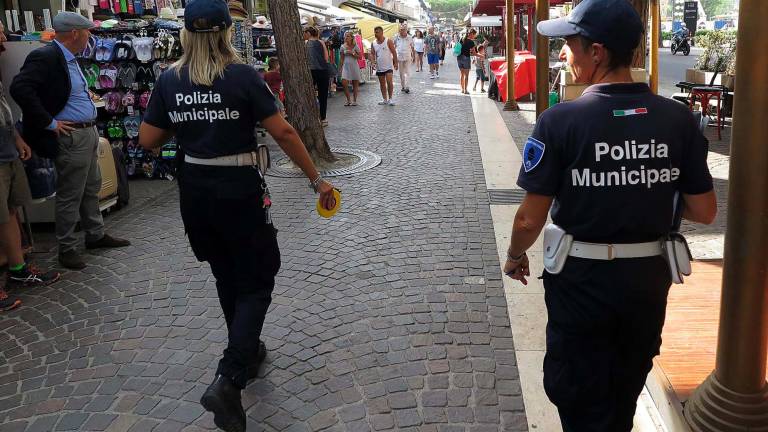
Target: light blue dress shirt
[{"x": 79, "y": 107}]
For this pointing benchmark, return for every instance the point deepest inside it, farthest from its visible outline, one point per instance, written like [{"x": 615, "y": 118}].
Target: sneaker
[
  {"x": 31, "y": 275},
  {"x": 407, "y": 90},
  {"x": 261, "y": 354},
  {"x": 384, "y": 102},
  {"x": 8, "y": 303},
  {"x": 431, "y": 76},
  {"x": 391, "y": 103},
  {"x": 222, "y": 398},
  {"x": 437, "y": 74},
  {"x": 107, "y": 241},
  {"x": 71, "y": 259}
]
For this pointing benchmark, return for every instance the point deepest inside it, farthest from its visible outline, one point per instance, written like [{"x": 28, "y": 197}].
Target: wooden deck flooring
[{"x": 690, "y": 332}]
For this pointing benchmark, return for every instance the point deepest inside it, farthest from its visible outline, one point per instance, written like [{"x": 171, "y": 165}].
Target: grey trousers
[{"x": 77, "y": 188}]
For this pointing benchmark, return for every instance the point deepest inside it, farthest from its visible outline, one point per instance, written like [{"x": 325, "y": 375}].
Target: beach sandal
[
  {"x": 131, "y": 124},
  {"x": 91, "y": 74},
  {"x": 105, "y": 51},
  {"x": 144, "y": 99},
  {"x": 144, "y": 75},
  {"x": 108, "y": 77},
  {"x": 158, "y": 46},
  {"x": 129, "y": 99},
  {"x": 142, "y": 46},
  {"x": 127, "y": 75},
  {"x": 159, "y": 67},
  {"x": 113, "y": 102},
  {"x": 90, "y": 50},
  {"x": 122, "y": 49}
]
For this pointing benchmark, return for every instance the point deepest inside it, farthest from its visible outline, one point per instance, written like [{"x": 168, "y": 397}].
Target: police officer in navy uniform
[
  {"x": 609, "y": 164},
  {"x": 211, "y": 101}
]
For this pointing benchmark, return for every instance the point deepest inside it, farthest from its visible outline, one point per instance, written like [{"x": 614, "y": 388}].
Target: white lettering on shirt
[
  {"x": 190, "y": 112},
  {"x": 627, "y": 151}
]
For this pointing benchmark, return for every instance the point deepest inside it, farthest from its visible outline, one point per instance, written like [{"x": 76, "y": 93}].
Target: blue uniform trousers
[
  {"x": 224, "y": 218},
  {"x": 604, "y": 328}
]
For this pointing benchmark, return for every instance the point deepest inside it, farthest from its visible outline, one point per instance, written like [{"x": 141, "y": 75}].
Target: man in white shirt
[{"x": 405, "y": 56}]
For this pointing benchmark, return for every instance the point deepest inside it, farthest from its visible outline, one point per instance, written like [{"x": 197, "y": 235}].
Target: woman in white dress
[
  {"x": 350, "y": 70},
  {"x": 418, "y": 46}
]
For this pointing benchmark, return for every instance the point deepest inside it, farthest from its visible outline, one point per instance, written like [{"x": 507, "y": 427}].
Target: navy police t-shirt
[
  {"x": 613, "y": 160},
  {"x": 212, "y": 121}
]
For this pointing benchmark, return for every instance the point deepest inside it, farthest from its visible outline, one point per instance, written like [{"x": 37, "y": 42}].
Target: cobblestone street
[{"x": 390, "y": 316}]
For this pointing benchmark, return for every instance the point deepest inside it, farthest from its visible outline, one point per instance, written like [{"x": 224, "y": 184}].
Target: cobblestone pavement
[
  {"x": 390, "y": 316},
  {"x": 705, "y": 241}
]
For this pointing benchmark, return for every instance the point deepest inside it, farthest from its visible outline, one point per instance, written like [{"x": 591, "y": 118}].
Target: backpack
[{"x": 457, "y": 49}]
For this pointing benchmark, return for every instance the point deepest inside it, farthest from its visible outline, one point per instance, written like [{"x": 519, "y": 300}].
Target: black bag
[
  {"x": 41, "y": 176},
  {"x": 493, "y": 90}
]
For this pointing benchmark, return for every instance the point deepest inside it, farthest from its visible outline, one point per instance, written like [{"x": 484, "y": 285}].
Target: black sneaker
[
  {"x": 8, "y": 303},
  {"x": 223, "y": 399},
  {"x": 261, "y": 354},
  {"x": 31, "y": 275}
]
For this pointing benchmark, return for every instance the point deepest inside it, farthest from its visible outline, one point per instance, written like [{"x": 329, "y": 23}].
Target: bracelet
[
  {"x": 517, "y": 258},
  {"x": 314, "y": 184}
]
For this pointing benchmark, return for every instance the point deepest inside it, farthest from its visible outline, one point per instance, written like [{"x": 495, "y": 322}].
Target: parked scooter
[{"x": 681, "y": 44}]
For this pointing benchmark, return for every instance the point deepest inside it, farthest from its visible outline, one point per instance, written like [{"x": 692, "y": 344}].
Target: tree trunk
[
  {"x": 300, "y": 102},
  {"x": 642, "y": 7}
]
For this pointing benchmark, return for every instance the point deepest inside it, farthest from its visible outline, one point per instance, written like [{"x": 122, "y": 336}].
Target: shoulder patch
[{"x": 532, "y": 153}]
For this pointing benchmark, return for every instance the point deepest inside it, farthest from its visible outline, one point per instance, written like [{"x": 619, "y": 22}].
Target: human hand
[
  {"x": 518, "y": 269},
  {"x": 395, "y": 65},
  {"x": 327, "y": 200},
  {"x": 24, "y": 151},
  {"x": 63, "y": 127}
]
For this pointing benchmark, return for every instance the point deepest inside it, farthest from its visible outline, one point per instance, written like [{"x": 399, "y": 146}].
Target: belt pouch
[
  {"x": 557, "y": 245},
  {"x": 678, "y": 256}
]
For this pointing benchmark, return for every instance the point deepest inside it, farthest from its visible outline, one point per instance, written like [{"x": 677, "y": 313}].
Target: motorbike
[{"x": 681, "y": 44}]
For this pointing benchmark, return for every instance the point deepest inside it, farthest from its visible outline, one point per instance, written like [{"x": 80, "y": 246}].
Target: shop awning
[
  {"x": 368, "y": 23},
  {"x": 486, "y": 21},
  {"x": 378, "y": 12},
  {"x": 319, "y": 8},
  {"x": 495, "y": 7}
]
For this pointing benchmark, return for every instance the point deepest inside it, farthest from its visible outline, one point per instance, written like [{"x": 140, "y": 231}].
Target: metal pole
[
  {"x": 511, "y": 104},
  {"x": 542, "y": 60},
  {"x": 735, "y": 396},
  {"x": 654, "y": 66}
]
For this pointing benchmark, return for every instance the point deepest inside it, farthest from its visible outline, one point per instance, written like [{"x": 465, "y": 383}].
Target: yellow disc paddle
[{"x": 329, "y": 213}]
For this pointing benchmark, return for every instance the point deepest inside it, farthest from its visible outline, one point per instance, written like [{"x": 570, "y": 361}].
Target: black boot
[
  {"x": 261, "y": 354},
  {"x": 223, "y": 399}
]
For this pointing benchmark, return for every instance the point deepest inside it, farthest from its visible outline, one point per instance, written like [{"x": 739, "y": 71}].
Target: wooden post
[
  {"x": 531, "y": 30},
  {"x": 511, "y": 104},
  {"x": 735, "y": 396},
  {"x": 542, "y": 60},
  {"x": 655, "y": 27}
]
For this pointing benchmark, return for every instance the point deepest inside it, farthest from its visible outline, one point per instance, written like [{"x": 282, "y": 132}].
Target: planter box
[
  {"x": 701, "y": 77},
  {"x": 666, "y": 43},
  {"x": 638, "y": 75}
]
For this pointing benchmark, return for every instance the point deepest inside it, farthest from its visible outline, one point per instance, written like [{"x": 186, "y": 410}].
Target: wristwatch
[{"x": 315, "y": 184}]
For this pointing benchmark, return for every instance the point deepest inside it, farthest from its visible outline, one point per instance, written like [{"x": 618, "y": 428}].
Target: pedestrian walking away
[
  {"x": 432, "y": 46},
  {"x": 443, "y": 47},
  {"x": 384, "y": 55},
  {"x": 318, "y": 66},
  {"x": 224, "y": 198},
  {"x": 59, "y": 118},
  {"x": 350, "y": 70},
  {"x": 418, "y": 46},
  {"x": 405, "y": 56},
  {"x": 615, "y": 166},
  {"x": 465, "y": 58}
]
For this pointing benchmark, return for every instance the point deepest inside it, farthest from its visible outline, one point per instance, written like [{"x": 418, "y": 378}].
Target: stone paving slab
[{"x": 390, "y": 316}]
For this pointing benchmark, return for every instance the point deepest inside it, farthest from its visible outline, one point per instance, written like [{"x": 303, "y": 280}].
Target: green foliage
[
  {"x": 719, "y": 51},
  {"x": 666, "y": 35},
  {"x": 717, "y": 7},
  {"x": 450, "y": 8}
]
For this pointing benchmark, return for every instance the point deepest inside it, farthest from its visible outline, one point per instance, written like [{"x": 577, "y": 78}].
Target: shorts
[
  {"x": 433, "y": 58},
  {"x": 481, "y": 75},
  {"x": 14, "y": 188},
  {"x": 383, "y": 73},
  {"x": 464, "y": 62}
]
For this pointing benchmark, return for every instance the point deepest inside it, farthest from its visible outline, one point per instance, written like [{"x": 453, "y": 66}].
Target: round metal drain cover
[{"x": 358, "y": 161}]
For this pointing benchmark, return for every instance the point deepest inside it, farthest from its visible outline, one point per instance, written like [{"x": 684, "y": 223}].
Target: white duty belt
[
  {"x": 607, "y": 252},
  {"x": 242, "y": 159}
]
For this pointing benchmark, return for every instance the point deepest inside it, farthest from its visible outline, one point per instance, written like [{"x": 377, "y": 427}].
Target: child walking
[
  {"x": 275, "y": 82},
  {"x": 480, "y": 69}
]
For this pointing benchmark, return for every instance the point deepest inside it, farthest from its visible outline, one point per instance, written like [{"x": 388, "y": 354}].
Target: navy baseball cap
[
  {"x": 206, "y": 16},
  {"x": 613, "y": 23}
]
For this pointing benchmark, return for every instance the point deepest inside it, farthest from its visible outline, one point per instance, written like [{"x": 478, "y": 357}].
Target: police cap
[{"x": 207, "y": 16}]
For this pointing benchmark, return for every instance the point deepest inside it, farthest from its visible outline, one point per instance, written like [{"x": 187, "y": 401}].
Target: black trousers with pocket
[
  {"x": 603, "y": 330},
  {"x": 323, "y": 83},
  {"x": 225, "y": 221}
]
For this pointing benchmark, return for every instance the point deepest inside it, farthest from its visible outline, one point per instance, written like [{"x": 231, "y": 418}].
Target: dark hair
[
  {"x": 378, "y": 28},
  {"x": 272, "y": 63},
  {"x": 312, "y": 31},
  {"x": 419, "y": 33},
  {"x": 481, "y": 48},
  {"x": 618, "y": 58}
]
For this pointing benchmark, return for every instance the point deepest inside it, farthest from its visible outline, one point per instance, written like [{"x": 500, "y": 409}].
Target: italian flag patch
[{"x": 629, "y": 112}]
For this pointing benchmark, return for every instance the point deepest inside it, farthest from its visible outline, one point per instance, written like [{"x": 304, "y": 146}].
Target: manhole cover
[
  {"x": 506, "y": 196},
  {"x": 352, "y": 161}
]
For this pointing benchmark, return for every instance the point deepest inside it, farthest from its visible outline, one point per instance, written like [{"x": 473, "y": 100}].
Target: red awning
[{"x": 496, "y": 7}]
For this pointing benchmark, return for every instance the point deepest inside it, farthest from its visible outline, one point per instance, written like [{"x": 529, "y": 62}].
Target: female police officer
[
  {"x": 212, "y": 101},
  {"x": 612, "y": 162}
]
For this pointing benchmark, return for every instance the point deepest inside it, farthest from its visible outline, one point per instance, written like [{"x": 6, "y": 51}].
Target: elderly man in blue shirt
[{"x": 60, "y": 122}]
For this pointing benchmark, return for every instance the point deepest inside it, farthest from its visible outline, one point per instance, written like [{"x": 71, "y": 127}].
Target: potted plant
[{"x": 719, "y": 56}]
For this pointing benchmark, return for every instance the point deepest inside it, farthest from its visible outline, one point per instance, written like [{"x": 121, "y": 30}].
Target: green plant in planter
[{"x": 719, "y": 50}]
